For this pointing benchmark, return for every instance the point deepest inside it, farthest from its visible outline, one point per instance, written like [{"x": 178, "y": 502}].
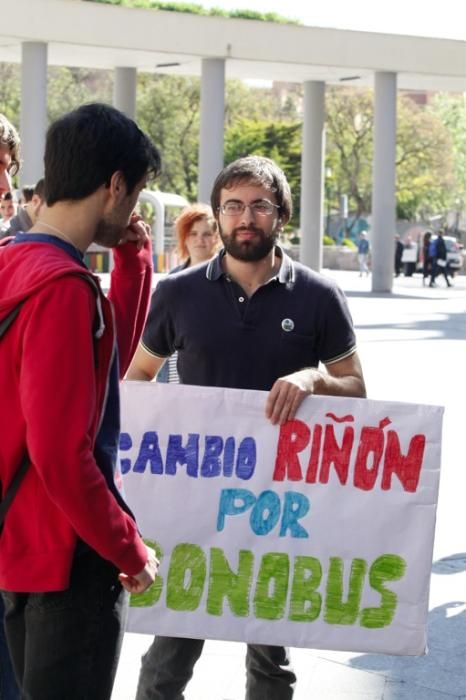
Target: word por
[
  {"x": 217, "y": 457},
  {"x": 375, "y": 451},
  {"x": 265, "y": 511},
  {"x": 297, "y": 590}
]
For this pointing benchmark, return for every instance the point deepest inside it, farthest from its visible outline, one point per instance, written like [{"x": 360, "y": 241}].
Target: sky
[{"x": 445, "y": 18}]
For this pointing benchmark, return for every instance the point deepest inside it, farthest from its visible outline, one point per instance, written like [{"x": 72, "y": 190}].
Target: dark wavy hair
[
  {"x": 9, "y": 137},
  {"x": 257, "y": 170},
  {"x": 84, "y": 148}
]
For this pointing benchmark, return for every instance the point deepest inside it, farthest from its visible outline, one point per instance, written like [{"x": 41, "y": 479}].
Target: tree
[
  {"x": 168, "y": 110},
  {"x": 451, "y": 111},
  {"x": 424, "y": 162},
  {"x": 68, "y": 88},
  {"x": 10, "y": 94},
  {"x": 423, "y": 155},
  {"x": 349, "y": 124},
  {"x": 279, "y": 141}
]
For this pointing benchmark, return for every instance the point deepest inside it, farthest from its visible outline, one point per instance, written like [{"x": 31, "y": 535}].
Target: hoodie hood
[{"x": 26, "y": 267}]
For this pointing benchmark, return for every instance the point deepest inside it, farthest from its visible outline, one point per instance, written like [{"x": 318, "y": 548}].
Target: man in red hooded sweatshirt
[
  {"x": 69, "y": 546},
  {"x": 9, "y": 165}
]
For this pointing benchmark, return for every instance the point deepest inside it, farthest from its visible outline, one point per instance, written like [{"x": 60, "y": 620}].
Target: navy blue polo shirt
[{"x": 226, "y": 339}]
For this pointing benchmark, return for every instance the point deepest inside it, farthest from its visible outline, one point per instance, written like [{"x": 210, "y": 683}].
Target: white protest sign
[{"x": 317, "y": 534}]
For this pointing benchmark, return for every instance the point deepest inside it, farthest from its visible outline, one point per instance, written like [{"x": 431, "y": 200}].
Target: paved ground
[{"x": 413, "y": 348}]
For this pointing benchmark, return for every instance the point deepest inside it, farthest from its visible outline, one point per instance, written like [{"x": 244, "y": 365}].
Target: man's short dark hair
[
  {"x": 259, "y": 171},
  {"x": 9, "y": 137},
  {"x": 84, "y": 148},
  {"x": 26, "y": 192},
  {"x": 39, "y": 188}
]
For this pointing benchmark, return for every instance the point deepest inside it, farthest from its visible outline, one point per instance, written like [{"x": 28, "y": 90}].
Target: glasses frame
[{"x": 251, "y": 207}]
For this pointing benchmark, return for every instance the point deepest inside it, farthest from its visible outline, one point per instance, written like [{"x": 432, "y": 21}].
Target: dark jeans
[
  {"x": 66, "y": 644},
  {"x": 169, "y": 662},
  {"x": 438, "y": 270},
  {"x": 8, "y": 686}
]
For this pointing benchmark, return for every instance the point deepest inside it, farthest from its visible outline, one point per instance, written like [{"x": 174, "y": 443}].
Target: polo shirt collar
[{"x": 285, "y": 275}]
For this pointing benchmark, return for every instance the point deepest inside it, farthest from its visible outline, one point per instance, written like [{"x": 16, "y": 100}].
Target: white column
[
  {"x": 383, "y": 185},
  {"x": 33, "y": 121},
  {"x": 212, "y": 125},
  {"x": 312, "y": 175},
  {"x": 124, "y": 90}
]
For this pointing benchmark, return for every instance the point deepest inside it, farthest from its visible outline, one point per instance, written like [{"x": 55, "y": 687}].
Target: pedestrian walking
[
  {"x": 439, "y": 260},
  {"x": 363, "y": 253}
]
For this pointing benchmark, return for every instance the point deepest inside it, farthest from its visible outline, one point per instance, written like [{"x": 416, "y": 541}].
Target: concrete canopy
[
  {"x": 127, "y": 40},
  {"x": 96, "y": 35}
]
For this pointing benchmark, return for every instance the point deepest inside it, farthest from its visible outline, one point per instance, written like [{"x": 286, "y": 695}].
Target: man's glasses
[{"x": 234, "y": 208}]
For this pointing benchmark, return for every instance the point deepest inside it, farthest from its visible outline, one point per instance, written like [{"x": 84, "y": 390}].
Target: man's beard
[
  {"x": 108, "y": 234},
  {"x": 251, "y": 250}
]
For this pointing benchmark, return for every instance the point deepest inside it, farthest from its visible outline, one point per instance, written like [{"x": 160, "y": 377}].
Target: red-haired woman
[
  {"x": 197, "y": 241},
  {"x": 197, "y": 237}
]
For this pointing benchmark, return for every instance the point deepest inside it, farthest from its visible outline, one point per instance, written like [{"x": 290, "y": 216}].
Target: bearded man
[{"x": 250, "y": 318}]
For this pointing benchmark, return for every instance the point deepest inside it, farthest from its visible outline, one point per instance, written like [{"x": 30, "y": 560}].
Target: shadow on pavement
[
  {"x": 451, "y": 327},
  {"x": 443, "y": 669},
  {"x": 391, "y": 295}
]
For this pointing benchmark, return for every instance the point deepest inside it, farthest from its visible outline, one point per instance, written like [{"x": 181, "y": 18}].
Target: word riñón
[{"x": 375, "y": 451}]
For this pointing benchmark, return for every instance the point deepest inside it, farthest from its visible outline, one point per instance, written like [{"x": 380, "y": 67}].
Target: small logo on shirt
[{"x": 287, "y": 324}]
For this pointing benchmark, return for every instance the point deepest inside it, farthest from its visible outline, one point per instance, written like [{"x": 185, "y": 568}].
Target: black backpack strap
[
  {"x": 24, "y": 464},
  {"x": 14, "y": 486},
  {"x": 8, "y": 320}
]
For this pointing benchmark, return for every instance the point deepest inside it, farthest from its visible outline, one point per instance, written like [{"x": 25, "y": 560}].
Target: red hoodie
[{"x": 53, "y": 384}]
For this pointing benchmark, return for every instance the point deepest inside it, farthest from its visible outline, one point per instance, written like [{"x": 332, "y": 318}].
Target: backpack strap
[
  {"x": 24, "y": 464},
  {"x": 20, "y": 473},
  {"x": 8, "y": 320}
]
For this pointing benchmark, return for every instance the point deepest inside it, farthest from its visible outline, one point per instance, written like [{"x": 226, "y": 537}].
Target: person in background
[
  {"x": 409, "y": 256},
  {"x": 363, "y": 253},
  {"x": 439, "y": 259},
  {"x": 28, "y": 213},
  {"x": 197, "y": 241},
  {"x": 9, "y": 165},
  {"x": 261, "y": 321},
  {"x": 27, "y": 192},
  {"x": 426, "y": 257},
  {"x": 8, "y": 207},
  {"x": 398, "y": 254},
  {"x": 196, "y": 234}
]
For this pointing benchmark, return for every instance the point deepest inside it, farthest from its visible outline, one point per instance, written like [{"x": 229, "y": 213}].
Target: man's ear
[
  {"x": 283, "y": 220},
  {"x": 117, "y": 186}
]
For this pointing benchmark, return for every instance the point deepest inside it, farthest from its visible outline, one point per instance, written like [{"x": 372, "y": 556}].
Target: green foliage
[
  {"x": 424, "y": 162},
  {"x": 451, "y": 111},
  {"x": 328, "y": 240},
  {"x": 424, "y": 155},
  {"x": 431, "y": 141},
  {"x": 349, "y": 124},
  {"x": 195, "y": 9},
  {"x": 168, "y": 110},
  {"x": 10, "y": 93},
  {"x": 279, "y": 141},
  {"x": 348, "y": 243},
  {"x": 70, "y": 87}
]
